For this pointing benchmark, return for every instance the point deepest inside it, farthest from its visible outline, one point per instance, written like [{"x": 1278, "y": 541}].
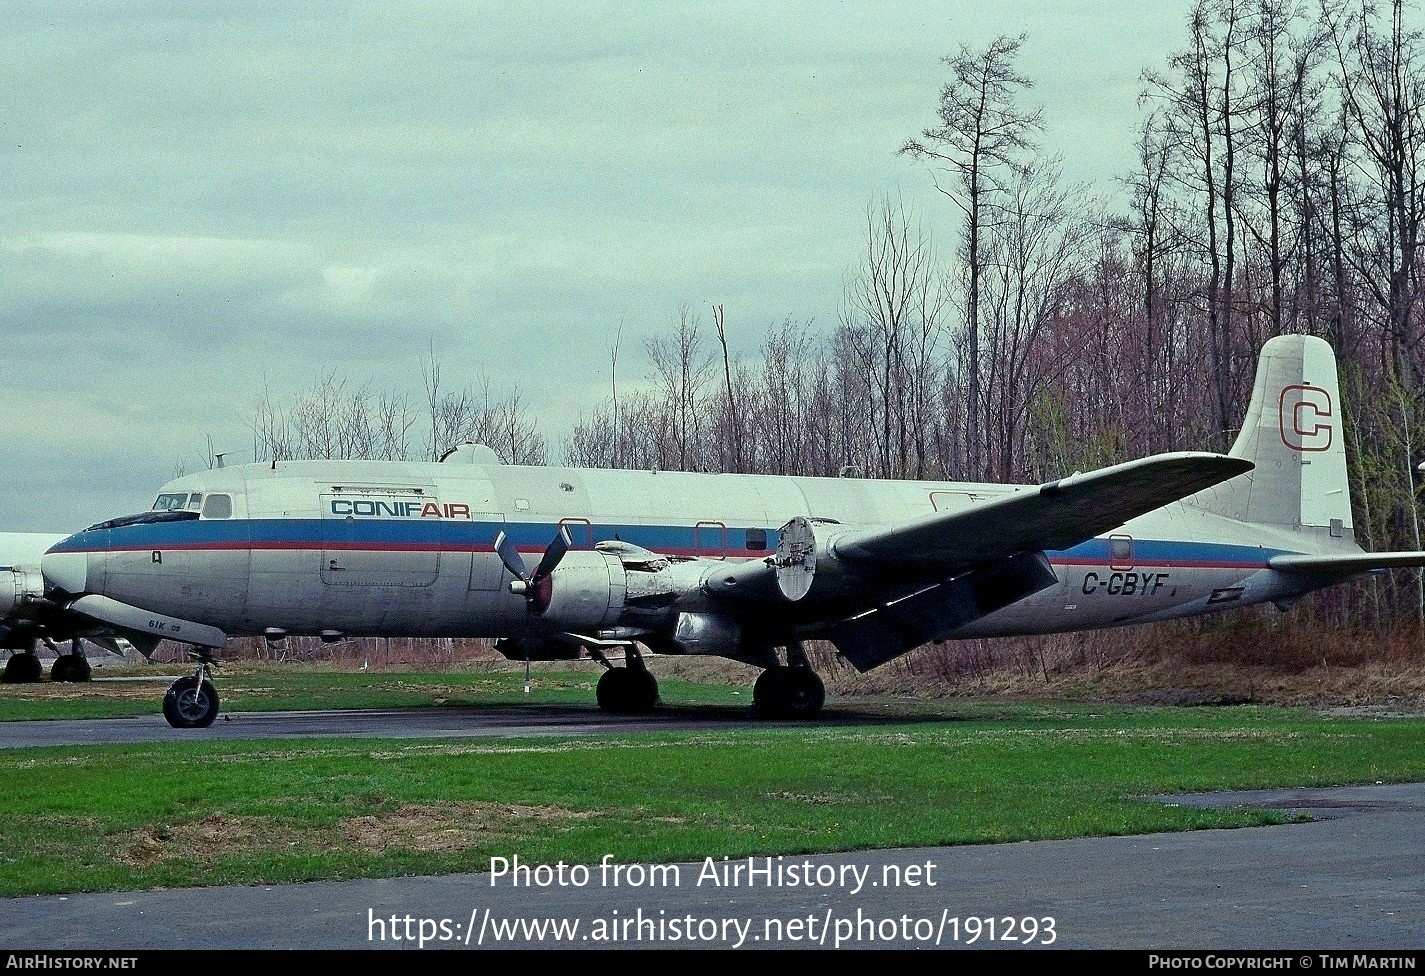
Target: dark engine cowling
[{"x": 537, "y": 649}]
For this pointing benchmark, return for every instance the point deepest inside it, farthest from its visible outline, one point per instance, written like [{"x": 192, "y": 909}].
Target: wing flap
[
  {"x": 1053, "y": 516},
  {"x": 934, "y": 613}
]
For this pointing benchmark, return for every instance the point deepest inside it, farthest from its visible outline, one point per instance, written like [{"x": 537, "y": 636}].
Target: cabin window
[
  {"x": 218, "y": 507},
  {"x": 756, "y": 540},
  {"x": 195, "y": 501},
  {"x": 171, "y": 502}
]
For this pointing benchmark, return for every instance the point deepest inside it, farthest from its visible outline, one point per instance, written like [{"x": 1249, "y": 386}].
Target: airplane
[
  {"x": 26, "y": 619},
  {"x": 748, "y": 567}
]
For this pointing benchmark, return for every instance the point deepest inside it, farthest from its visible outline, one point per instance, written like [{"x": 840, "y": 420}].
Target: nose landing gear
[{"x": 192, "y": 702}]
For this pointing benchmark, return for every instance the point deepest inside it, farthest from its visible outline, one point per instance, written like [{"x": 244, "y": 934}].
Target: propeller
[{"x": 537, "y": 587}]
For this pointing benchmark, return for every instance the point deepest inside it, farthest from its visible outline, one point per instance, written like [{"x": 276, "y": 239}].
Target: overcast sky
[{"x": 203, "y": 199}]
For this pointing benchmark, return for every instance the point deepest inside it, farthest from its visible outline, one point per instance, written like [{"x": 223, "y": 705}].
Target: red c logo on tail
[{"x": 1303, "y": 415}]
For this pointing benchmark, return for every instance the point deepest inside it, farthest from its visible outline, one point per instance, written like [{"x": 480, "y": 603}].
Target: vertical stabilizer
[{"x": 1293, "y": 433}]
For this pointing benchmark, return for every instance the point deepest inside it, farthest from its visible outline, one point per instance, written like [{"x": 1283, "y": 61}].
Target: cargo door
[{"x": 381, "y": 536}]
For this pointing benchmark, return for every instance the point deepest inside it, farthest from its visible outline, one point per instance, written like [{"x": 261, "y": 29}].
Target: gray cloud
[{"x": 209, "y": 200}]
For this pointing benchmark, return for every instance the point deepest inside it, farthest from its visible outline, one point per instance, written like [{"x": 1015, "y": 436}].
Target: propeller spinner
[{"x": 537, "y": 587}]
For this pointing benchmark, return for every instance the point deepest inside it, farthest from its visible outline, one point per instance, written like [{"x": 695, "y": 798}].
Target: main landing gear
[
  {"x": 789, "y": 691},
  {"x": 629, "y": 690},
  {"x": 192, "y": 702},
  {"x": 73, "y": 666},
  {"x": 23, "y": 668}
]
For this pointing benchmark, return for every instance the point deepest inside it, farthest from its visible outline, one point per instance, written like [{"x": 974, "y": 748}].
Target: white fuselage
[{"x": 382, "y": 548}]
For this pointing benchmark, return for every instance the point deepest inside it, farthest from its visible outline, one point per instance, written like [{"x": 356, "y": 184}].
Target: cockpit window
[
  {"x": 218, "y": 507},
  {"x": 171, "y": 503},
  {"x": 195, "y": 501},
  {"x": 143, "y": 518}
]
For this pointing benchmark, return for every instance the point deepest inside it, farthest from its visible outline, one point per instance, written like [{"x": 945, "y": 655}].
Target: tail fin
[{"x": 1293, "y": 433}]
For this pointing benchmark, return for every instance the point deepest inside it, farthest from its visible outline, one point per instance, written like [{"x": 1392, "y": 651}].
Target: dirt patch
[
  {"x": 448, "y": 827},
  {"x": 452, "y": 827}
]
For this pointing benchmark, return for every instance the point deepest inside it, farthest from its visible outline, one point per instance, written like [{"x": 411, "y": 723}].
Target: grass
[
  {"x": 127, "y": 691},
  {"x": 926, "y": 774}
]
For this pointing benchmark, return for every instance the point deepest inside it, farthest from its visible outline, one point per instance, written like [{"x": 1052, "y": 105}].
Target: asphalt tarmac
[{"x": 1351, "y": 880}]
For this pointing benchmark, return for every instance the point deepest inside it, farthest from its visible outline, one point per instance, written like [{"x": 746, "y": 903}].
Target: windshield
[
  {"x": 170, "y": 502},
  {"x": 143, "y": 518}
]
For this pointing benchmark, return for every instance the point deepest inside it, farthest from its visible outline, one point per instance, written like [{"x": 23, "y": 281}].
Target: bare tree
[
  {"x": 1382, "y": 86},
  {"x": 1204, "y": 104},
  {"x": 333, "y": 421},
  {"x": 681, "y": 367},
  {"x": 1035, "y": 255},
  {"x": 892, "y": 311},
  {"x": 732, "y": 420},
  {"x": 982, "y": 139}
]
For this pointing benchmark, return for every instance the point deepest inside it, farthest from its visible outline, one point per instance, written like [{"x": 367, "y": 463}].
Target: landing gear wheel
[
  {"x": 788, "y": 692},
  {"x": 70, "y": 667},
  {"x": 627, "y": 690},
  {"x": 645, "y": 691},
  {"x": 767, "y": 694},
  {"x": 190, "y": 703},
  {"x": 803, "y": 692},
  {"x": 23, "y": 668}
]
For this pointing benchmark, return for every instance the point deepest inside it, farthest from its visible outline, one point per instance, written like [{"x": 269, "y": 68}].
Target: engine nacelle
[
  {"x": 18, "y": 586},
  {"x": 614, "y": 590},
  {"x": 586, "y": 591}
]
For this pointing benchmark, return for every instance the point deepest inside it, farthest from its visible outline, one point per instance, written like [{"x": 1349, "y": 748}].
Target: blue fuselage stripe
[{"x": 450, "y": 535}]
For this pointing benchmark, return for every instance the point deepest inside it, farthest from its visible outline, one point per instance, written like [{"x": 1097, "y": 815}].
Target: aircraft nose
[{"x": 68, "y": 571}]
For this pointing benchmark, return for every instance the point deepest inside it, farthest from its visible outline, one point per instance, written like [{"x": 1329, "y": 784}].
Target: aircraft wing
[
  {"x": 1053, "y": 516},
  {"x": 895, "y": 587}
]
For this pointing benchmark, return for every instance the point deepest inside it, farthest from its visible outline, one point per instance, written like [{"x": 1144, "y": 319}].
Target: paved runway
[{"x": 1353, "y": 879}]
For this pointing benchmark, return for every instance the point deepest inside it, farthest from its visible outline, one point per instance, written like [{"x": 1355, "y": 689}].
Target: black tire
[
  {"x": 23, "y": 668},
  {"x": 785, "y": 692},
  {"x": 643, "y": 690},
  {"x": 70, "y": 667},
  {"x": 614, "y": 691},
  {"x": 768, "y": 697},
  {"x": 190, "y": 704},
  {"x": 803, "y": 693},
  {"x": 609, "y": 690},
  {"x": 627, "y": 691}
]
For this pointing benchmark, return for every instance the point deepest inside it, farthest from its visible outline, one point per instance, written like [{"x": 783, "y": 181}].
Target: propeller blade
[
  {"x": 510, "y": 556},
  {"x": 552, "y": 555}
]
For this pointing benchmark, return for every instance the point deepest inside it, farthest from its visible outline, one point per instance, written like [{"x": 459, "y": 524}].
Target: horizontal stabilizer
[
  {"x": 1054, "y": 516},
  {"x": 1346, "y": 564}
]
